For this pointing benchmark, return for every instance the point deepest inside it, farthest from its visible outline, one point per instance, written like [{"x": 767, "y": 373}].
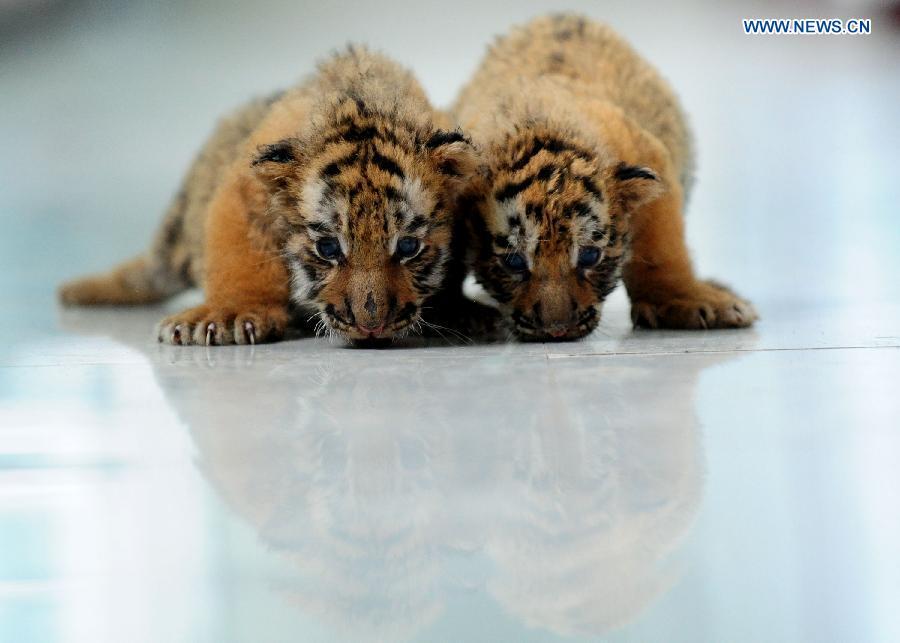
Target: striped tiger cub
[
  {"x": 588, "y": 163},
  {"x": 335, "y": 198}
]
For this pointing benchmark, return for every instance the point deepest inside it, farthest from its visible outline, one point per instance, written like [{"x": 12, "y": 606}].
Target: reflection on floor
[{"x": 375, "y": 482}]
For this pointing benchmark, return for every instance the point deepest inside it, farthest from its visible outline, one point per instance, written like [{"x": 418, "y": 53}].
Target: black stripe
[
  {"x": 386, "y": 164},
  {"x": 550, "y": 144},
  {"x": 360, "y": 105},
  {"x": 313, "y": 258},
  {"x": 590, "y": 188},
  {"x": 352, "y": 132},
  {"x": 534, "y": 211},
  {"x": 512, "y": 189},
  {"x": 332, "y": 169},
  {"x": 354, "y": 190},
  {"x": 340, "y": 164},
  {"x": 425, "y": 271},
  {"x": 356, "y": 134},
  {"x": 310, "y": 272},
  {"x": 392, "y": 304},
  {"x": 349, "y": 309},
  {"x": 332, "y": 312},
  {"x": 625, "y": 172},
  {"x": 545, "y": 172},
  {"x": 582, "y": 210},
  {"x": 363, "y": 131},
  {"x": 409, "y": 309},
  {"x": 336, "y": 167},
  {"x": 606, "y": 277},
  {"x": 442, "y": 137},
  {"x": 418, "y": 222}
]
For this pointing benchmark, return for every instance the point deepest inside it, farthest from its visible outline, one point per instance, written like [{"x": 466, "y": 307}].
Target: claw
[
  {"x": 210, "y": 331},
  {"x": 704, "y": 318},
  {"x": 250, "y": 332},
  {"x": 176, "y": 334}
]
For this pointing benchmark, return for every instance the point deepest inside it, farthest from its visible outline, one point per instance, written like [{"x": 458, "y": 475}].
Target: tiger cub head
[
  {"x": 552, "y": 228},
  {"x": 363, "y": 207}
]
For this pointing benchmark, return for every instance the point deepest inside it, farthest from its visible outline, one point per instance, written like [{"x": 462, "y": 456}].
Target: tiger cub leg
[
  {"x": 246, "y": 281},
  {"x": 660, "y": 280}
]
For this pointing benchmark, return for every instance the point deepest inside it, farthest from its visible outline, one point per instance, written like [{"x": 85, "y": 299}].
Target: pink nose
[
  {"x": 370, "y": 330},
  {"x": 558, "y": 332}
]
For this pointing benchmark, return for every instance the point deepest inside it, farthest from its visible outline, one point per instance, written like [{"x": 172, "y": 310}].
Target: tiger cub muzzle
[
  {"x": 372, "y": 309},
  {"x": 554, "y": 309}
]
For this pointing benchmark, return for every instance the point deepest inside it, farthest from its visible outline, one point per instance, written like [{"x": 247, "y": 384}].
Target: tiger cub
[
  {"x": 335, "y": 196},
  {"x": 588, "y": 165}
]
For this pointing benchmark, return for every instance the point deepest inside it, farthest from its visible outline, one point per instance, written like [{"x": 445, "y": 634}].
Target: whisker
[{"x": 438, "y": 328}]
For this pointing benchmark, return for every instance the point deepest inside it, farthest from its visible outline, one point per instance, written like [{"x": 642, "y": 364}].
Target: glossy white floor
[{"x": 637, "y": 486}]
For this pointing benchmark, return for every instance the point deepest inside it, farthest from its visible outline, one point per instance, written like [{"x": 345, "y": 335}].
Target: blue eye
[
  {"x": 328, "y": 248},
  {"x": 515, "y": 262},
  {"x": 588, "y": 256},
  {"x": 408, "y": 247}
]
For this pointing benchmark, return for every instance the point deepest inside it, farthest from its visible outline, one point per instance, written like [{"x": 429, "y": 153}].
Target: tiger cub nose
[
  {"x": 370, "y": 323},
  {"x": 370, "y": 306}
]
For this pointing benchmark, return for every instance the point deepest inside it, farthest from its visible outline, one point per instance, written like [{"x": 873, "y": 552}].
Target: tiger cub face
[
  {"x": 363, "y": 208},
  {"x": 554, "y": 231}
]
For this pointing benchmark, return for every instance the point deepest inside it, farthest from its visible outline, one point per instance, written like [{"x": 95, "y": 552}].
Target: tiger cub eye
[
  {"x": 515, "y": 262},
  {"x": 588, "y": 256},
  {"x": 328, "y": 248},
  {"x": 408, "y": 247}
]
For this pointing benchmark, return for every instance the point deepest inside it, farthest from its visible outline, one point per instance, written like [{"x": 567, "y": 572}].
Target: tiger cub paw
[
  {"x": 208, "y": 326},
  {"x": 706, "y": 305}
]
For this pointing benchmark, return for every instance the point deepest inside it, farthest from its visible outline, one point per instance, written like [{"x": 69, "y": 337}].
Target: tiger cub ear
[
  {"x": 275, "y": 163},
  {"x": 453, "y": 155},
  {"x": 634, "y": 185}
]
